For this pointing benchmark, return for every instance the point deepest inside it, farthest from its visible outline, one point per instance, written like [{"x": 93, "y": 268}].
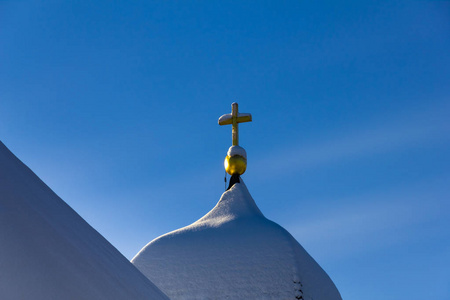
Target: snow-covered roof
[
  {"x": 234, "y": 252},
  {"x": 48, "y": 252}
]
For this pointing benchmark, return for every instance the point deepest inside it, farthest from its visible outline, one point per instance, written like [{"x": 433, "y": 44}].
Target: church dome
[{"x": 234, "y": 252}]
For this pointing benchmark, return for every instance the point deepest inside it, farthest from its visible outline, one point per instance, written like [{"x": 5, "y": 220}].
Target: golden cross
[{"x": 234, "y": 119}]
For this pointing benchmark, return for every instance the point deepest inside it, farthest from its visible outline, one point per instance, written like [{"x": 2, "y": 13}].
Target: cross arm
[{"x": 241, "y": 118}]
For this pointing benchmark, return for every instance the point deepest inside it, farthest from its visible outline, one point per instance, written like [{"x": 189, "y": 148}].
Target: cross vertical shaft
[{"x": 235, "y": 129}]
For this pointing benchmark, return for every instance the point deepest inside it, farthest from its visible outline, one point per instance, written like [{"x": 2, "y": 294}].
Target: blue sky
[{"x": 115, "y": 107}]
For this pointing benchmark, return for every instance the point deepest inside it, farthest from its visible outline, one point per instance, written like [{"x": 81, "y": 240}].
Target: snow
[
  {"x": 234, "y": 252},
  {"x": 225, "y": 117},
  {"x": 47, "y": 251},
  {"x": 237, "y": 150}
]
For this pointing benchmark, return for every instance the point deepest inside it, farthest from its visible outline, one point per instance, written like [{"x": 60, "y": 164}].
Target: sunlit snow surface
[
  {"x": 234, "y": 252},
  {"x": 237, "y": 150},
  {"x": 48, "y": 252}
]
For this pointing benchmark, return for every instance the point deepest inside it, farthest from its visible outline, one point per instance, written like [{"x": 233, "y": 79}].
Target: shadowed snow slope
[
  {"x": 234, "y": 252},
  {"x": 47, "y": 251}
]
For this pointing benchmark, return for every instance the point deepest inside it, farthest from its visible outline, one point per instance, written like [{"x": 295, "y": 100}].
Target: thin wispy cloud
[
  {"x": 386, "y": 135},
  {"x": 379, "y": 221}
]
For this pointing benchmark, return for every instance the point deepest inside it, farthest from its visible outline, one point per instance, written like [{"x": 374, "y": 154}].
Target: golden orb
[{"x": 235, "y": 164}]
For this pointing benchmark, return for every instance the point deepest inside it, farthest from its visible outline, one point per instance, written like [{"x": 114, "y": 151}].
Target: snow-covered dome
[
  {"x": 234, "y": 252},
  {"x": 48, "y": 252}
]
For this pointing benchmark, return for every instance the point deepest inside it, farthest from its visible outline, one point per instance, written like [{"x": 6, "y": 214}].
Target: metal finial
[{"x": 236, "y": 160}]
